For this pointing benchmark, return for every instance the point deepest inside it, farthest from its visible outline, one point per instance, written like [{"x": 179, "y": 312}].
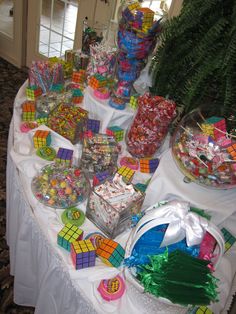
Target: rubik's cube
[
  {"x": 229, "y": 239},
  {"x": 129, "y": 10},
  {"x": 97, "y": 80},
  {"x": 148, "y": 165},
  {"x": 77, "y": 96},
  {"x": 202, "y": 310},
  {"x": 42, "y": 120},
  {"x": 58, "y": 88},
  {"x": 116, "y": 132},
  {"x": 28, "y": 111},
  {"x": 232, "y": 151},
  {"x": 83, "y": 254},
  {"x": 133, "y": 102},
  {"x": 144, "y": 18},
  {"x": 32, "y": 92},
  {"x": 110, "y": 252},
  {"x": 79, "y": 76},
  {"x": 64, "y": 156},
  {"x": 141, "y": 187},
  {"x": 69, "y": 234},
  {"x": 42, "y": 138},
  {"x": 93, "y": 125},
  {"x": 100, "y": 177},
  {"x": 214, "y": 127},
  {"x": 126, "y": 173}
]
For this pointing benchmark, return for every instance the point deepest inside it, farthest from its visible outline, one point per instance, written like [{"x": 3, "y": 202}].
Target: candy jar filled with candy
[
  {"x": 150, "y": 125},
  {"x": 204, "y": 148},
  {"x": 60, "y": 187}
]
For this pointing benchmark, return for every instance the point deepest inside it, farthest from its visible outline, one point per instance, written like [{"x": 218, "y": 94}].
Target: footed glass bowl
[{"x": 204, "y": 148}]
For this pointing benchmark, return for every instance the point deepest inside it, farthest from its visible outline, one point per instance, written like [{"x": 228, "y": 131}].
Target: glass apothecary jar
[{"x": 150, "y": 125}]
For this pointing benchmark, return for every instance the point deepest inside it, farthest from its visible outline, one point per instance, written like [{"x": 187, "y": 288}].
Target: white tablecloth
[
  {"x": 99, "y": 109},
  {"x": 44, "y": 275}
]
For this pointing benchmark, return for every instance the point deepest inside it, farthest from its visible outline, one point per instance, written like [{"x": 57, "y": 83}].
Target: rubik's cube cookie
[
  {"x": 115, "y": 131},
  {"x": 64, "y": 156},
  {"x": 83, "y": 254},
  {"x": 79, "y": 76},
  {"x": 148, "y": 165},
  {"x": 97, "y": 80},
  {"x": 93, "y": 125},
  {"x": 214, "y": 127},
  {"x": 77, "y": 96},
  {"x": 42, "y": 138},
  {"x": 111, "y": 253},
  {"x": 232, "y": 151},
  {"x": 28, "y": 111},
  {"x": 42, "y": 120},
  {"x": 133, "y": 102},
  {"x": 126, "y": 173},
  {"x": 100, "y": 177},
  {"x": 32, "y": 92},
  {"x": 69, "y": 234},
  {"x": 58, "y": 88}
]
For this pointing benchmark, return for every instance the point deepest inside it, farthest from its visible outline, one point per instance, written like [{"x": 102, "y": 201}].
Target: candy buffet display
[
  {"x": 100, "y": 153},
  {"x": 68, "y": 121},
  {"x": 150, "y": 125},
  {"x": 112, "y": 289},
  {"x": 60, "y": 187},
  {"x": 169, "y": 245},
  {"x": 203, "y": 147},
  {"x": 112, "y": 203}
]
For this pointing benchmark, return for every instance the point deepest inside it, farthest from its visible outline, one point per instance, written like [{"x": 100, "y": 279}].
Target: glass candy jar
[
  {"x": 150, "y": 125},
  {"x": 204, "y": 148}
]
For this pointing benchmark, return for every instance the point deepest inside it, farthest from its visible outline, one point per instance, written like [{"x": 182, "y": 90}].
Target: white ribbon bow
[{"x": 183, "y": 223}]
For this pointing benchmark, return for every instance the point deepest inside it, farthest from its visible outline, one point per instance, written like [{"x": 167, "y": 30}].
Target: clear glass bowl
[
  {"x": 59, "y": 187},
  {"x": 204, "y": 148}
]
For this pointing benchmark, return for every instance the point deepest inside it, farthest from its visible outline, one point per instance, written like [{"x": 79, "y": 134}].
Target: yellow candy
[
  {"x": 63, "y": 184},
  {"x": 52, "y": 192}
]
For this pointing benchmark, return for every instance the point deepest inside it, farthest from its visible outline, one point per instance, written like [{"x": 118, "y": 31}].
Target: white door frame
[{"x": 12, "y": 49}]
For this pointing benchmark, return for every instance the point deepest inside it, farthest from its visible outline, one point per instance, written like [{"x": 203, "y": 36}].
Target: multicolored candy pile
[
  {"x": 112, "y": 203},
  {"x": 100, "y": 153},
  {"x": 60, "y": 187},
  {"x": 150, "y": 125},
  {"x": 204, "y": 151}
]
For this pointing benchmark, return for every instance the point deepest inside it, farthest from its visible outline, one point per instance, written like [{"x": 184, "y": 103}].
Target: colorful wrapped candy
[
  {"x": 68, "y": 121},
  {"x": 150, "y": 125},
  {"x": 111, "y": 205},
  {"x": 60, "y": 187}
]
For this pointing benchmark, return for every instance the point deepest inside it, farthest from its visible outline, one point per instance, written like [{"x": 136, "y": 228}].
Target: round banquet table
[{"x": 44, "y": 275}]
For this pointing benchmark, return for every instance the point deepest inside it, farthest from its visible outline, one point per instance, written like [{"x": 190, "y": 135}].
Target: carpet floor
[{"x": 11, "y": 79}]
